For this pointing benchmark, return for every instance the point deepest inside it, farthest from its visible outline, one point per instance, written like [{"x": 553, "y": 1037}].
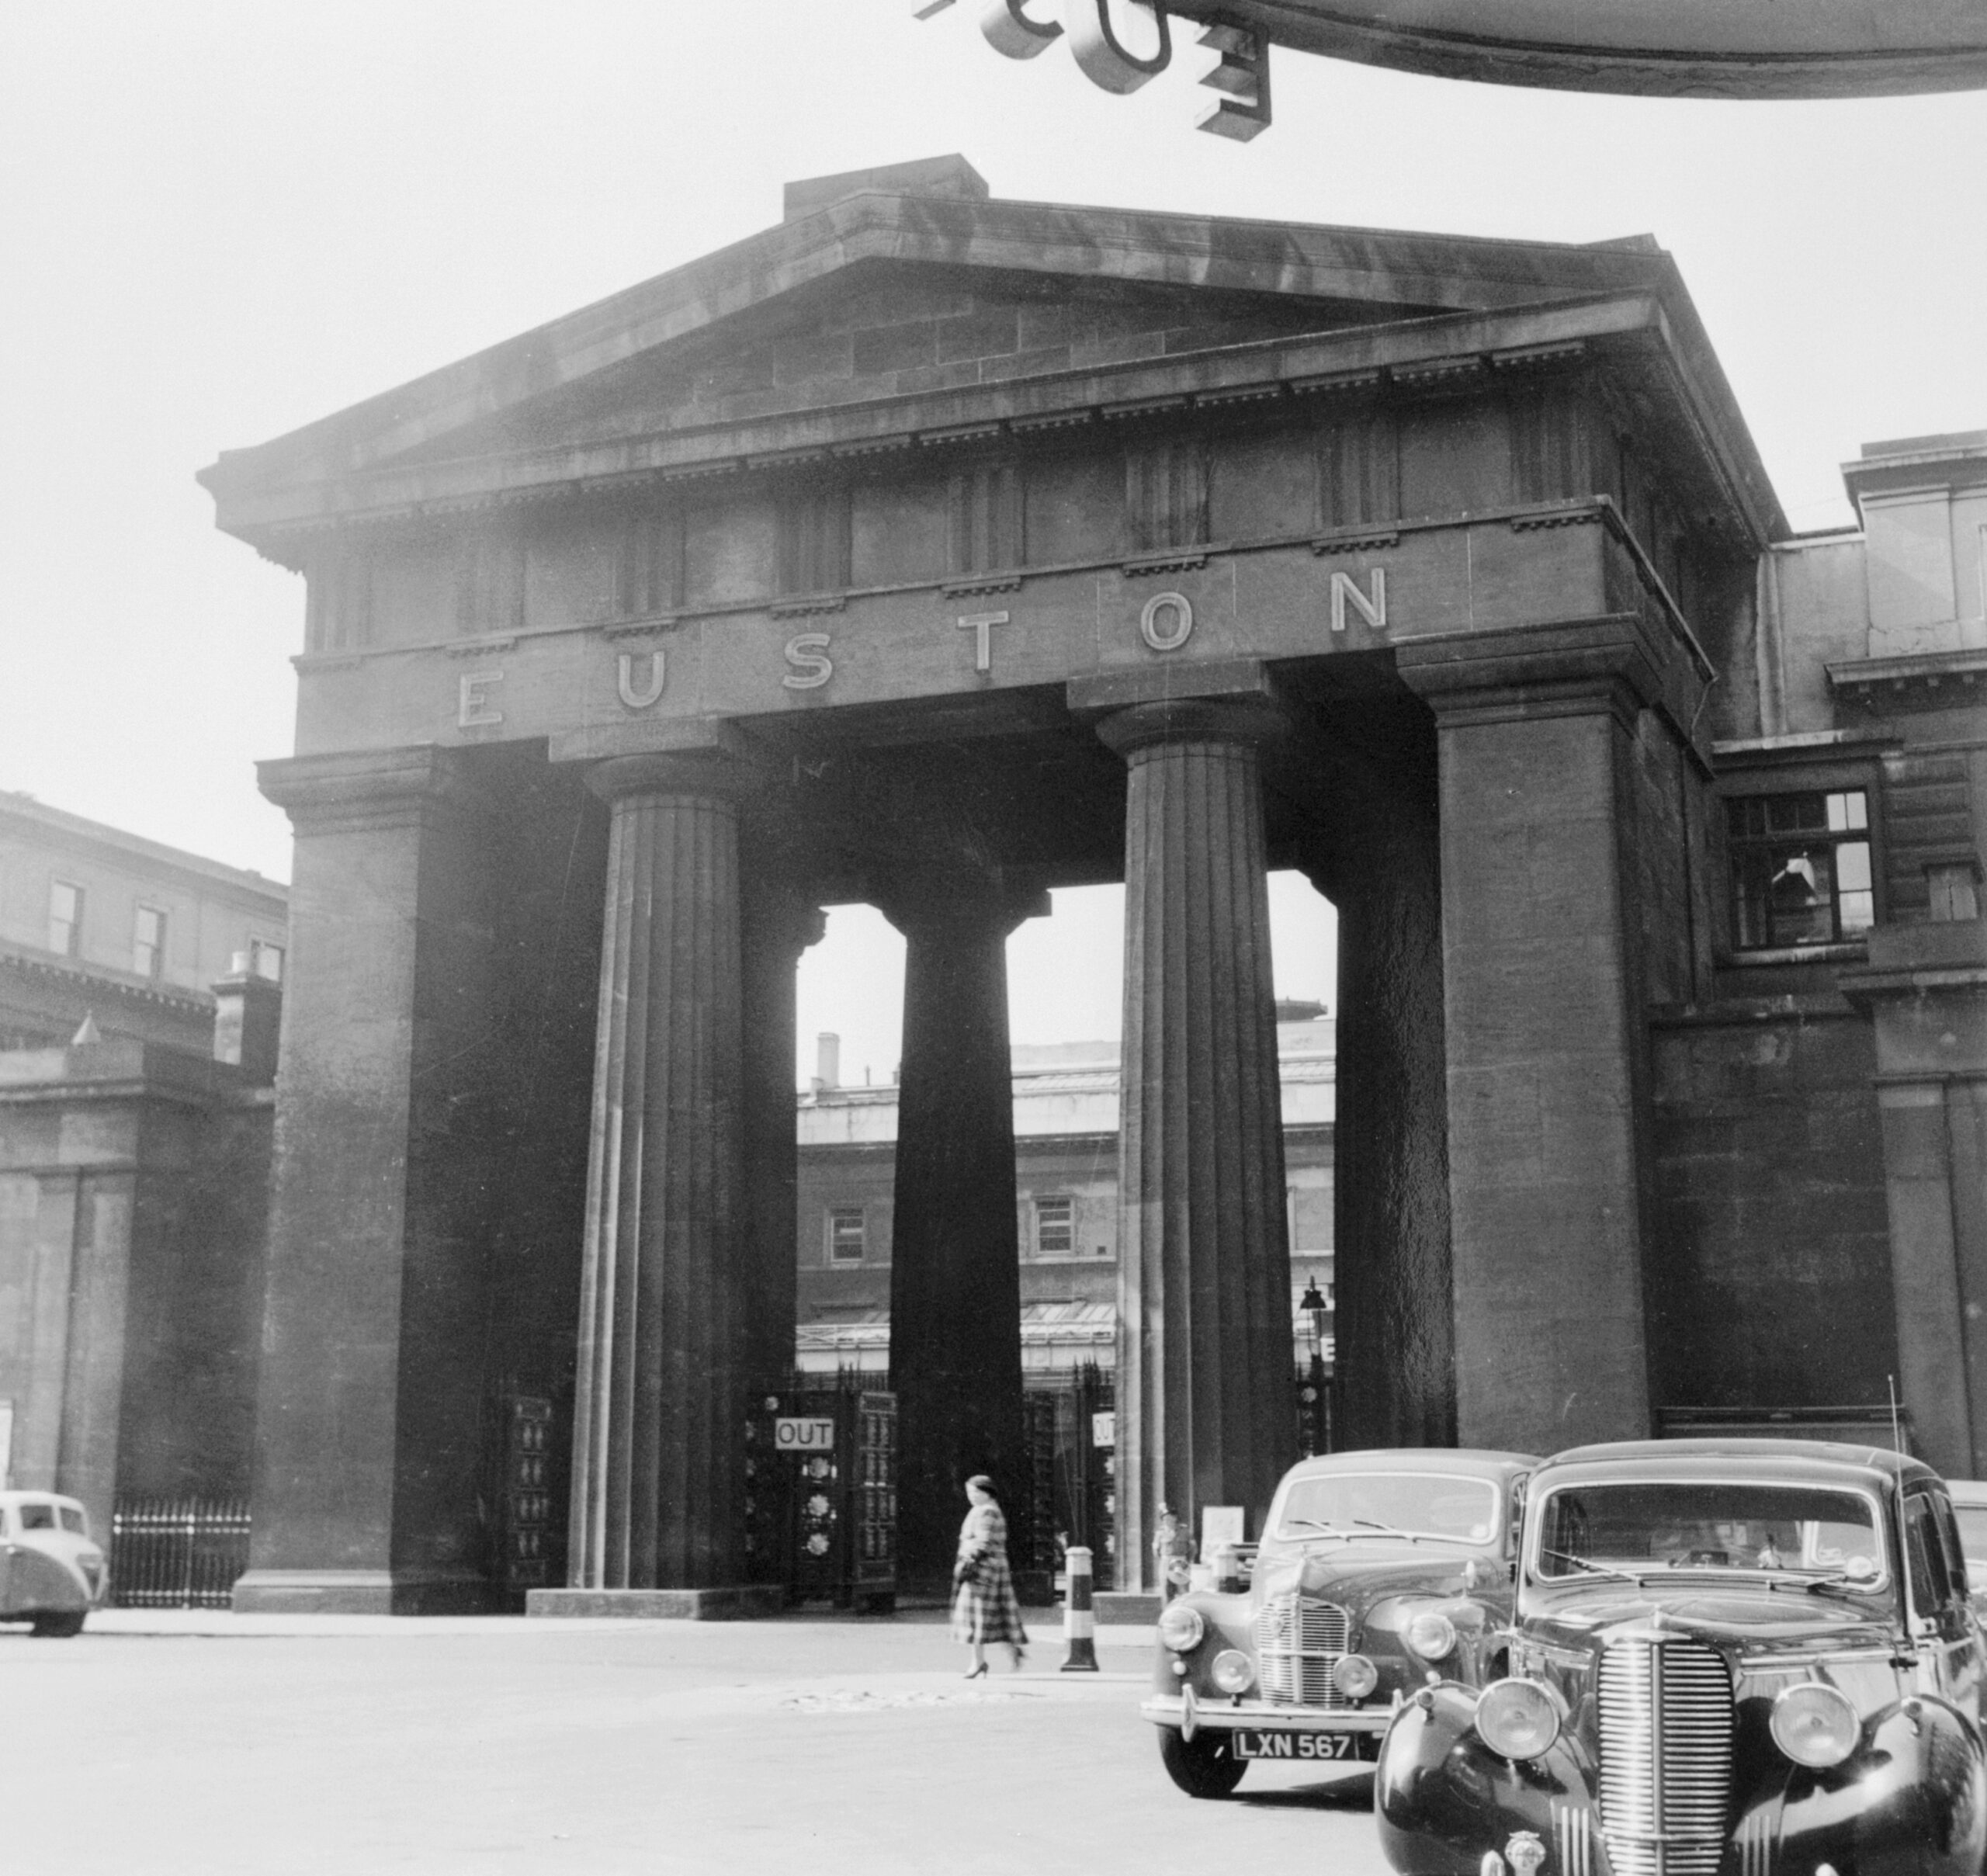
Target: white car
[{"x": 51, "y": 1573}]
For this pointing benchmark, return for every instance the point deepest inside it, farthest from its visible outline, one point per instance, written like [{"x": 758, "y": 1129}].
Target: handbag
[{"x": 967, "y": 1570}]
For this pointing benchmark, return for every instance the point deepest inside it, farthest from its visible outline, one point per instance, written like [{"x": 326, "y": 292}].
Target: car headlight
[
  {"x": 1180, "y": 1627},
  {"x": 1517, "y": 1719},
  {"x": 1233, "y": 1671},
  {"x": 1431, "y": 1635},
  {"x": 1355, "y": 1676},
  {"x": 1816, "y": 1724}
]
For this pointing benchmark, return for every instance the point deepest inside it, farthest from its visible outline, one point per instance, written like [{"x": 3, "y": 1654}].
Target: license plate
[{"x": 1293, "y": 1745}]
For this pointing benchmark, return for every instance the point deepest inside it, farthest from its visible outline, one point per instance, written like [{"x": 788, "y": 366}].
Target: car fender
[
  {"x": 1442, "y": 1797},
  {"x": 1916, "y": 1788},
  {"x": 38, "y": 1581}
]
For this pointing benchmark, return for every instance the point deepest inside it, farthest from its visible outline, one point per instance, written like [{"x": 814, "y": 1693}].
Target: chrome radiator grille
[
  {"x": 1666, "y": 1757},
  {"x": 1298, "y": 1642}
]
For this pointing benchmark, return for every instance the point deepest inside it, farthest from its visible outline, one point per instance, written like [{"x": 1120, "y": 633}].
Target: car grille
[
  {"x": 1298, "y": 1642},
  {"x": 1666, "y": 1757}
]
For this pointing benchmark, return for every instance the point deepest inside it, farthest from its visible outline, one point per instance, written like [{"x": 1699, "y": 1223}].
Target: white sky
[{"x": 223, "y": 218}]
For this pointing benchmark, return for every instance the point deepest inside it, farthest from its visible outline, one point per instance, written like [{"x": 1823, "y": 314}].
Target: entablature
[{"x": 1626, "y": 339}]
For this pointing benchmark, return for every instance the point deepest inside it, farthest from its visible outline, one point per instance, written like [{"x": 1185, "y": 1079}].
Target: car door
[
  {"x": 1947, "y": 1638},
  {"x": 9, "y": 1544}
]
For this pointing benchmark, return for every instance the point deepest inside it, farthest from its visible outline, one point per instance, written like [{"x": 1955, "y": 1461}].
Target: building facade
[
  {"x": 933, "y": 551},
  {"x": 97, "y": 923},
  {"x": 140, "y": 1012},
  {"x": 1065, "y": 1120}
]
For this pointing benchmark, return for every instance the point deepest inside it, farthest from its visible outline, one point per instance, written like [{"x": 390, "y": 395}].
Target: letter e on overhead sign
[
  {"x": 640, "y": 696},
  {"x": 805, "y": 651},
  {"x": 1345, "y": 589},
  {"x": 473, "y": 707}
]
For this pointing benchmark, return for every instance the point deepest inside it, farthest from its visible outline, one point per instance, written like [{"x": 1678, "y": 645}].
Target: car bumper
[{"x": 1225, "y": 1715}]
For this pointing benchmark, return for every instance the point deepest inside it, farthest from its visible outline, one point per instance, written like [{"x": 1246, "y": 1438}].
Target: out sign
[{"x": 798, "y": 1435}]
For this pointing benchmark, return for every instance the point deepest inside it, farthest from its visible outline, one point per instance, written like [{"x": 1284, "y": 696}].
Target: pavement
[{"x": 170, "y": 1741}]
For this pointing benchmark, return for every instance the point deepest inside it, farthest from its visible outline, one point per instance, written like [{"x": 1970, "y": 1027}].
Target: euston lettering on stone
[
  {"x": 640, "y": 697},
  {"x": 1374, "y": 611},
  {"x": 811, "y": 668},
  {"x": 1174, "y": 608},
  {"x": 474, "y": 709},
  {"x": 982, "y": 625}
]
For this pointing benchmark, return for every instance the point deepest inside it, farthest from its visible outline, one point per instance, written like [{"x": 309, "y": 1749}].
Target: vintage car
[
  {"x": 1969, "y": 1497},
  {"x": 51, "y": 1574},
  {"x": 1750, "y": 1656},
  {"x": 1375, "y": 1570}
]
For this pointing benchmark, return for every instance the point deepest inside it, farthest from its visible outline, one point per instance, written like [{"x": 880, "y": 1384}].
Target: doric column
[
  {"x": 956, "y": 1359},
  {"x": 779, "y": 922},
  {"x": 656, "y": 1411},
  {"x": 369, "y": 1420},
  {"x": 1544, "y": 981},
  {"x": 1206, "y": 1414},
  {"x": 1375, "y": 851}
]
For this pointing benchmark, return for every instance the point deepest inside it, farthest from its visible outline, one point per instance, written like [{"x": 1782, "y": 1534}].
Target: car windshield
[
  {"x": 36, "y": 1517},
  {"x": 1436, "y": 1505},
  {"x": 1972, "y": 1530},
  {"x": 1642, "y": 1527}
]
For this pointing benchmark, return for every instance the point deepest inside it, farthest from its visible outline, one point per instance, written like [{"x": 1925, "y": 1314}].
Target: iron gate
[{"x": 177, "y": 1553}]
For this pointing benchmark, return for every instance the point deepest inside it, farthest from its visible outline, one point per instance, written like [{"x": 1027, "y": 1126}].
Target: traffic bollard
[{"x": 1079, "y": 1625}]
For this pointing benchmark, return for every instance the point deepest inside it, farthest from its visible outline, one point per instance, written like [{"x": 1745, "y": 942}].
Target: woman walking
[{"x": 984, "y": 1609}]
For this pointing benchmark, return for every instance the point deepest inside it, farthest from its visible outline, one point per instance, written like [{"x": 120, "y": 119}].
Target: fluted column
[
  {"x": 1205, "y": 1364},
  {"x": 778, "y": 923},
  {"x": 655, "y": 1415},
  {"x": 955, "y": 1356}
]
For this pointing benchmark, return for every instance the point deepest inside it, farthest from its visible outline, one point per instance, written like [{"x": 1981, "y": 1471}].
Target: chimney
[
  {"x": 827, "y": 1061},
  {"x": 247, "y": 1020}
]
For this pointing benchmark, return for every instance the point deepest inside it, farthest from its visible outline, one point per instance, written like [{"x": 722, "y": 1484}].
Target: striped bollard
[{"x": 1079, "y": 1625}]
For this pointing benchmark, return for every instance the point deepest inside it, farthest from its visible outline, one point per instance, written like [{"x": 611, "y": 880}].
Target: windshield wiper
[
  {"x": 1832, "y": 1583},
  {"x": 1593, "y": 1569},
  {"x": 1316, "y": 1524},
  {"x": 1388, "y": 1530}
]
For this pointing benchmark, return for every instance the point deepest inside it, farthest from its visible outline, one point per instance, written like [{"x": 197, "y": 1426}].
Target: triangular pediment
[
  {"x": 876, "y": 297},
  {"x": 891, "y": 329}
]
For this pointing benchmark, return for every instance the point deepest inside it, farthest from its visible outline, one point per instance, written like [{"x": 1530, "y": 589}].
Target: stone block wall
[{"x": 1769, "y": 1260}]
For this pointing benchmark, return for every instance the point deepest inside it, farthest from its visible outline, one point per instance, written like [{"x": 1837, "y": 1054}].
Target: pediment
[
  {"x": 892, "y": 329},
  {"x": 878, "y": 296}
]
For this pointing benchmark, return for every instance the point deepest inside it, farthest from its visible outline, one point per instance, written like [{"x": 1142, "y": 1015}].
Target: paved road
[{"x": 154, "y": 1745}]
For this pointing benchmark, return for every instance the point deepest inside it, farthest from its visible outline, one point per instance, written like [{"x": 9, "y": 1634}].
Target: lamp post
[{"x": 1316, "y": 1399}]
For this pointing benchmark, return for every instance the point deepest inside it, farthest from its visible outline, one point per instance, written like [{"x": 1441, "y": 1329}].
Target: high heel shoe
[
  {"x": 973, "y": 1674},
  {"x": 1020, "y": 1656}
]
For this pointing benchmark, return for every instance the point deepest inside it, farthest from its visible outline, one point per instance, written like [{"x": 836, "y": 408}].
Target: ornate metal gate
[{"x": 177, "y": 1553}]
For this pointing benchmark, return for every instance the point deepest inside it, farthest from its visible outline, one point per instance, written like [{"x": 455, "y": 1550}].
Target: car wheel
[
  {"x": 1201, "y": 1766},
  {"x": 59, "y": 1625}
]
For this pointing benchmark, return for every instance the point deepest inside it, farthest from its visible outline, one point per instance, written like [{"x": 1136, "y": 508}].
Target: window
[
  {"x": 1931, "y": 1588},
  {"x": 1800, "y": 869},
  {"x": 265, "y": 960},
  {"x": 845, "y": 1234},
  {"x": 1054, "y": 1227},
  {"x": 1953, "y": 891},
  {"x": 148, "y": 941},
  {"x": 65, "y": 918}
]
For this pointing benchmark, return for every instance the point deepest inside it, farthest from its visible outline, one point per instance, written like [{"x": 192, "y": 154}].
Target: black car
[{"x": 1729, "y": 1658}]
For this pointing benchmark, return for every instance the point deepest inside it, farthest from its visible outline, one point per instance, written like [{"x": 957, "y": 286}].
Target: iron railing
[{"x": 177, "y": 1553}]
